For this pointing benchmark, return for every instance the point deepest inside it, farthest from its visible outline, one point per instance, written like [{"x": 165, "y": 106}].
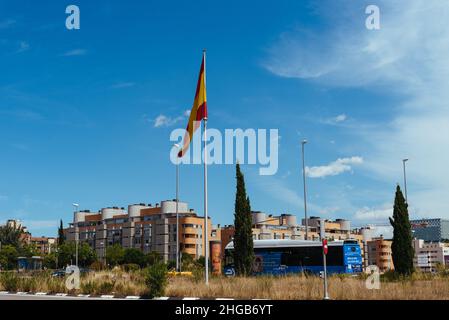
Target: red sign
[{"x": 325, "y": 246}]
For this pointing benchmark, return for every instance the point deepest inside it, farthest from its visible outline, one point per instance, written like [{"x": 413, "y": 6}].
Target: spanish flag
[{"x": 199, "y": 109}]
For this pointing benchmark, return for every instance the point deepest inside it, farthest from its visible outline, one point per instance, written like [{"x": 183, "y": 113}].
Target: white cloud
[
  {"x": 407, "y": 58},
  {"x": 339, "y": 118},
  {"x": 23, "y": 46},
  {"x": 167, "y": 121},
  {"x": 374, "y": 214},
  {"x": 121, "y": 85},
  {"x": 75, "y": 52},
  {"x": 334, "y": 168}
]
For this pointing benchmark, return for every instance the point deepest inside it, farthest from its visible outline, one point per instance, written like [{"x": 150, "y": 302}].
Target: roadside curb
[{"x": 108, "y": 297}]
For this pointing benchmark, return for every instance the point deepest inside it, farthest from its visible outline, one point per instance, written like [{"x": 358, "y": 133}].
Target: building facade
[
  {"x": 285, "y": 226},
  {"x": 379, "y": 254},
  {"x": 44, "y": 245},
  {"x": 430, "y": 255},
  {"x": 430, "y": 230},
  {"x": 146, "y": 227}
]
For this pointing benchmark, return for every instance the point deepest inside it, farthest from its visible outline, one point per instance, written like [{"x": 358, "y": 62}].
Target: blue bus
[{"x": 278, "y": 257}]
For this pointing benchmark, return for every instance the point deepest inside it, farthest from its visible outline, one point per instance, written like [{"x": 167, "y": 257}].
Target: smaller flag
[{"x": 325, "y": 248}]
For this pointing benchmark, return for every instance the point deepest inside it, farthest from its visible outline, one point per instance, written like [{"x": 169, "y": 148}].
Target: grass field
[
  {"x": 307, "y": 288},
  {"x": 297, "y": 287}
]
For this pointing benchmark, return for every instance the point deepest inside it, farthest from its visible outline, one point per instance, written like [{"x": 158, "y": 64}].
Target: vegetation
[
  {"x": 156, "y": 280},
  {"x": 243, "y": 237},
  {"x": 401, "y": 248},
  {"x": 61, "y": 236},
  {"x": 134, "y": 256},
  {"x": 10, "y": 235},
  {"x": 115, "y": 255},
  {"x": 67, "y": 254}
]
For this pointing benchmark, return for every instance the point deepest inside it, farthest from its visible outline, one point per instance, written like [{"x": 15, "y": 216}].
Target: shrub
[
  {"x": 156, "y": 280},
  {"x": 89, "y": 287},
  {"x": 55, "y": 285},
  {"x": 9, "y": 281},
  {"x": 106, "y": 287},
  {"x": 28, "y": 284},
  {"x": 130, "y": 267},
  {"x": 97, "y": 266}
]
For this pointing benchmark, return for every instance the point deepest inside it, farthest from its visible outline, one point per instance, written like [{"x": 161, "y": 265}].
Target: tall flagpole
[{"x": 206, "y": 233}]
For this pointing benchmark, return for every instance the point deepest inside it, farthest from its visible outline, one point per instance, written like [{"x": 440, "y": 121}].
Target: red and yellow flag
[{"x": 199, "y": 109}]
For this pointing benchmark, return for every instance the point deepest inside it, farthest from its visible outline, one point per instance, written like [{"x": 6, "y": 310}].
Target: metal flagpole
[{"x": 206, "y": 234}]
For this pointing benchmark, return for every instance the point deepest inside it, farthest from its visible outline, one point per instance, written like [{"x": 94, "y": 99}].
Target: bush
[
  {"x": 106, "y": 287},
  {"x": 28, "y": 284},
  {"x": 97, "y": 266},
  {"x": 9, "y": 281},
  {"x": 55, "y": 285},
  {"x": 131, "y": 267},
  {"x": 89, "y": 287},
  {"x": 156, "y": 280}
]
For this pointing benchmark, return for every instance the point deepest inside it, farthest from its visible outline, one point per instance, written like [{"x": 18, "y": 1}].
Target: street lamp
[
  {"x": 75, "y": 210},
  {"x": 303, "y": 142},
  {"x": 177, "y": 209},
  {"x": 405, "y": 180}
]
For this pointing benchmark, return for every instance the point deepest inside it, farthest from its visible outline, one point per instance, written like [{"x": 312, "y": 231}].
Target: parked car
[{"x": 58, "y": 273}]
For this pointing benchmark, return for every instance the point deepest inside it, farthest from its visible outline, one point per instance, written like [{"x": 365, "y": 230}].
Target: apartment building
[
  {"x": 379, "y": 254},
  {"x": 285, "y": 226},
  {"x": 146, "y": 227},
  {"x": 44, "y": 245},
  {"x": 430, "y": 255}
]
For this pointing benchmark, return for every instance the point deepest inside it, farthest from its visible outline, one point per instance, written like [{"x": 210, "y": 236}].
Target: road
[{"x": 7, "y": 296}]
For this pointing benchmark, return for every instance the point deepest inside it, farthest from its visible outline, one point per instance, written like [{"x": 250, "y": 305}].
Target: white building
[{"x": 428, "y": 255}]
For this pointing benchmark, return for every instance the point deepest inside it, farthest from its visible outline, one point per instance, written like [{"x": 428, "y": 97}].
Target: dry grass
[
  {"x": 309, "y": 288},
  {"x": 117, "y": 283},
  {"x": 297, "y": 287}
]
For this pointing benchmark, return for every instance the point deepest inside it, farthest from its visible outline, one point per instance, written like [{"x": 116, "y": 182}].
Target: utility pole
[
  {"x": 325, "y": 248},
  {"x": 75, "y": 207},
  {"x": 405, "y": 180},
  {"x": 304, "y": 185}
]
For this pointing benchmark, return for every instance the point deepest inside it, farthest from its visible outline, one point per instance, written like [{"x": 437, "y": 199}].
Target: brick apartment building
[{"x": 146, "y": 227}]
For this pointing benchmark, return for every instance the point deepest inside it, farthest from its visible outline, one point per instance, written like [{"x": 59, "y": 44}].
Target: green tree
[
  {"x": 61, "y": 236},
  {"x": 243, "y": 237},
  {"x": 8, "y": 257},
  {"x": 401, "y": 248},
  {"x": 67, "y": 254},
  {"x": 134, "y": 256},
  {"x": 28, "y": 250},
  {"x": 115, "y": 254},
  {"x": 152, "y": 258},
  {"x": 50, "y": 260},
  {"x": 11, "y": 236}
]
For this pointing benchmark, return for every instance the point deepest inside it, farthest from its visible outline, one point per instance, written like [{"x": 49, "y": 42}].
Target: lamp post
[
  {"x": 75, "y": 210},
  {"x": 177, "y": 210},
  {"x": 405, "y": 179},
  {"x": 303, "y": 142}
]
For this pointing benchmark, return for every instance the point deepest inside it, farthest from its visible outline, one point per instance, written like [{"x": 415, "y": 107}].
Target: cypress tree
[
  {"x": 243, "y": 236},
  {"x": 61, "y": 236},
  {"x": 402, "y": 249}
]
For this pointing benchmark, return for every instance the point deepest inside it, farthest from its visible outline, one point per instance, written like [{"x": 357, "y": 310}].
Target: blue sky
[{"x": 78, "y": 108}]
